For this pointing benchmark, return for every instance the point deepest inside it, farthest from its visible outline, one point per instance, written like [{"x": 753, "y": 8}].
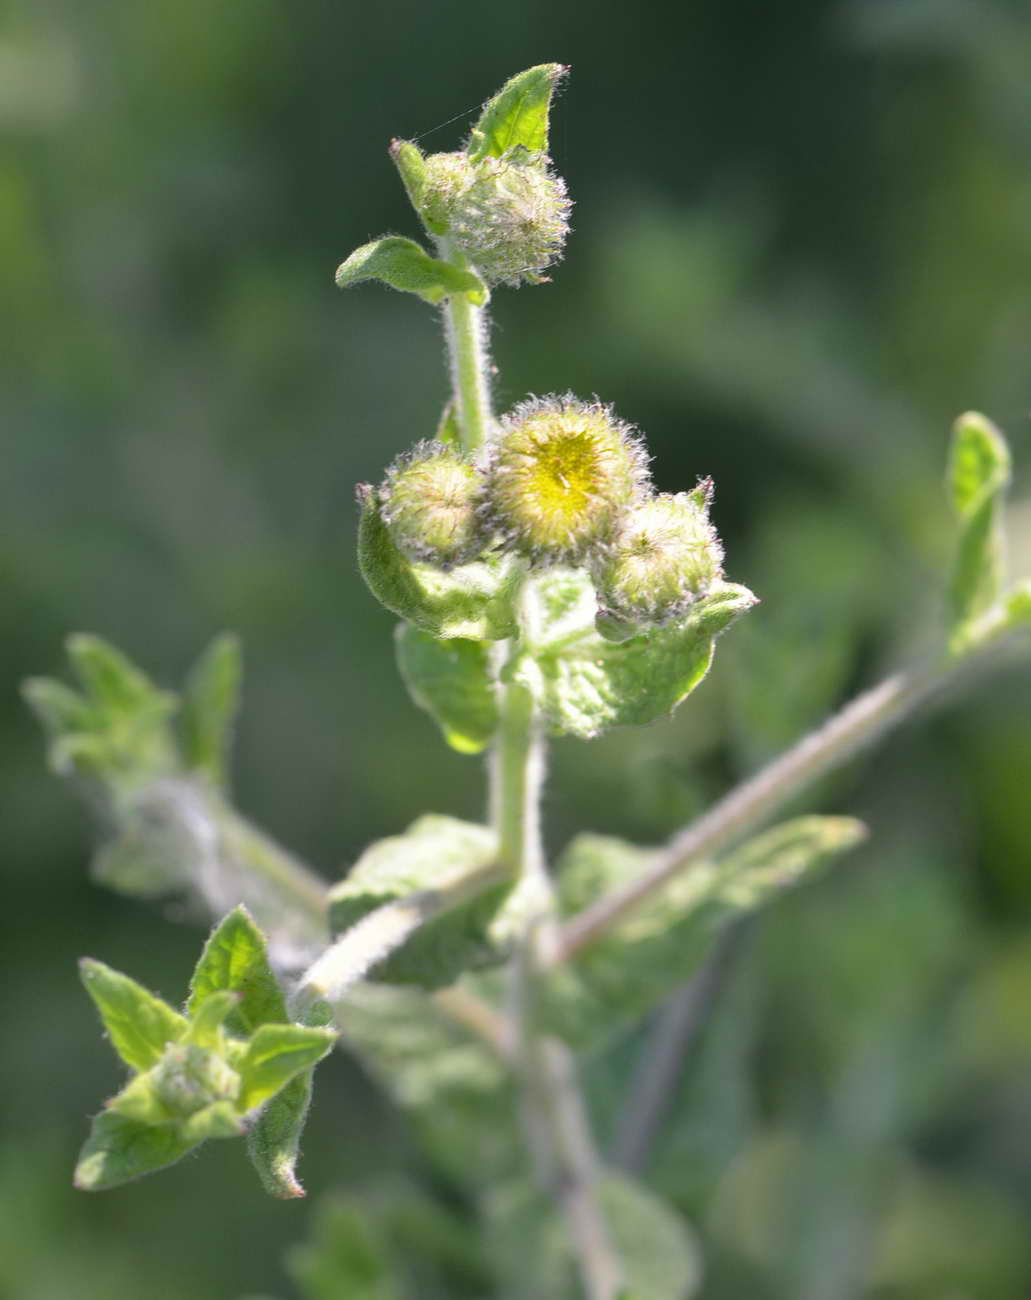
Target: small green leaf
[
  {"x": 58, "y": 707},
  {"x": 587, "y": 683},
  {"x": 109, "y": 676},
  {"x": 140, "y": 1025},
  {"x": 436, "y": 857},
  {"x": 235, "y": 959},
  {"x": 273, "y": 1143},
  {"x": 274, "y": 1055},
  {"x": 410, "y": 163},
  {"x": 659, "y": 1254},
  {"x": 1018, "y": 605},
  {"x": 978, "y": 475},
  {"x": 451, "y": 679},
  {"x": 209, "y": 1017},
  {"x": 473, "y": 601},
  {"x": 448, "y": 431},
  {"x": 211, "y": 701},
  {"x": 617, "y": 979},
  {"x": 218, "y": 1120},
  {"x": 405, "y": 265},
  {"x": 517, "y": 116},
  {"x": 655, "y": 1249},
  {"x": 139, "y": 1100},
  {"x": 119, "y": 1149}
]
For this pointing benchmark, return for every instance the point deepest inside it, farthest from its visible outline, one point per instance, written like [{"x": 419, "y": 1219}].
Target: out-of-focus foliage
[{"x": 842, "y": 192}]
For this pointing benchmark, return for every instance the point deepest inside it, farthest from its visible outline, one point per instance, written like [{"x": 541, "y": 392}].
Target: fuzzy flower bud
[
  {"x": 189, "y": 1077},
  {"x": 512, "y": 221},
  {"x": 446, "y": 177},
  {"x": 666, "y": 555},
  {"x": 430, "y": 502},
  {"x": 562, "y": 475}
]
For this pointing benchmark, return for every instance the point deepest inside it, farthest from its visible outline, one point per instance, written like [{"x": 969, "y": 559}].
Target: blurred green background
[{"x": 802, "y": 245}]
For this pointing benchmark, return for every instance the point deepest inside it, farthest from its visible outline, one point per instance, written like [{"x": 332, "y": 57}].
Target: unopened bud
[
  {"x": 189, "y": 1077},
  {"x": 563, "y": 474},
  {"x": 512, "y": 221},
  {"x": 666, "y": 555},
  {"x": 430, "y": 502}
]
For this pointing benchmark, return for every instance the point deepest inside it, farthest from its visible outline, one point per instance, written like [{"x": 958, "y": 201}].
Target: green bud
[
  {"x": 511, "y": 221},
  {"x": 562, "y": 475},
  {"x": 430, "y": 502},
  {"x": 189, "y": 1077},
  {"x": 665, "y": 556},
  {"x": 445, "y": 178}
]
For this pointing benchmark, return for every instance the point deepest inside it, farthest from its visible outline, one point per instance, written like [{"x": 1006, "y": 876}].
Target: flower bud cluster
[
  {"x": 508, "y": 215},
  {"x": 562, "y": 481},
  {"x": 189, "y": 1077}
]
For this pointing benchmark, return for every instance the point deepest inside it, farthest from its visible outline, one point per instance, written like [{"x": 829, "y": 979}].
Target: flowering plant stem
[{"x": 466, "y": 329}]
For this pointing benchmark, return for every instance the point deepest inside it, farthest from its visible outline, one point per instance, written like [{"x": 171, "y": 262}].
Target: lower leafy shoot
[{"x": 214, "y": 1072}]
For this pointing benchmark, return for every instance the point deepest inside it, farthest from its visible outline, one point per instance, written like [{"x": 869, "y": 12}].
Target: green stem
[
  {"x": 557, "y": 1127},
  {"x": 271, "y": 862},
  {"x": 857, "y": 725},
  {"x": 465, "y": 327}
]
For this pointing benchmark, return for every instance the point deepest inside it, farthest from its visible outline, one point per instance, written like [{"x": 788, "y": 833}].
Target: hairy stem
[
  {"x": 858, "y": 724},
  {"x": 270, "y": 861},
  {"x": 465, "y": 327},
  {"x": 558, "y": 1132}
]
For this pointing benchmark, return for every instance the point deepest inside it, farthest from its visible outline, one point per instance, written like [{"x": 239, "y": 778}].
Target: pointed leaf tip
[{"x": 517, "y": 116}]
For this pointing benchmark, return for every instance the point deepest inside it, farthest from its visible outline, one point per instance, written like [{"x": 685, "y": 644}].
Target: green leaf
[
  {"x": 273, "y": 1142},
  {"x": 451, "y": 679},
  {"x": 208, "y": 1018},
  {"x": 621, "y": 976},
  {"x": 119, "y": 1149},
  {"x": 436, "y": 857},
  {"x": 405, "y": 265},
  {"x": 139, "y": 1024},
  {"x": 211, "y": 700},
  {"x": 110, "y": 678},
  {"x": 473, "y": 601},
  {"x": 410, "y": 163},
  {"x": 217, "y": 1120},
  {"x": 654, "y": 1246},
  {"x": 658, "y": 1251},
  {"x": 58, "y": 707},
  {"x": 347, "y": 1257},
  {"x": 978, "y": 475},
  {"x": 448, "y": 431},
  {"x": 1018, "y": 605},
  {"x": 517, "y": 116},
  {"x": 139, "y": 1100},
  {"x": 235, "y": 959},
  {"x": 586, "y": 683},
  {"x": 274, "y": 1055}
]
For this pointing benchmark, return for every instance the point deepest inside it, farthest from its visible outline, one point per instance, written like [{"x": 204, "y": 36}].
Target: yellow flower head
[{"x": 562, "y": 475}]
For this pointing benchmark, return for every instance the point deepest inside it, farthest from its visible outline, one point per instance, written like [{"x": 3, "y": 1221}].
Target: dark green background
[{"x": 802, "y": 245}]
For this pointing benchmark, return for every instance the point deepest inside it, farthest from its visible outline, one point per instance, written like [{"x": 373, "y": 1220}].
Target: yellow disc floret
[
  {"x": 431, "y": 504},
  {"x": 563, "y": 474},
  {"x": 666, "y": 555}
]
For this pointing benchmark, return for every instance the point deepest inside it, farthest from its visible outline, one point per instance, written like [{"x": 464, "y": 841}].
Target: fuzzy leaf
[
  {"x": 654, "y": 1246},
  {"x": 517, "y": 116},
  {"x": 979, "y": 473},
  {"x": 275, "y": 1055},
  {"x": 621, "y": 976},
  {"x": 218, "y": 1120},
  {"x": 235, "y": 959},
  {"x": 208, "y": 1017},
  {"x": 410, "y": 163},
  {"x": 450, "y": 679},
  {"x": 436, "y": 857},
  {"x": 405, "y": 265},
  {"x": 587, "y": 683},
  {"x": 119, "y": 1149},
  {"x": 473, "y": 601},
  {"x": 110, "y": 678},
  {"x": 211, "y": 700},
  {"x": 139, "y": 1024},
  {"x": 273, "y": 1142}
]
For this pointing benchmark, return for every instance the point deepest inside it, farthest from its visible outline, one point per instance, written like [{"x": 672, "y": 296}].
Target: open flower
[{"x": 562, "y": 475}]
